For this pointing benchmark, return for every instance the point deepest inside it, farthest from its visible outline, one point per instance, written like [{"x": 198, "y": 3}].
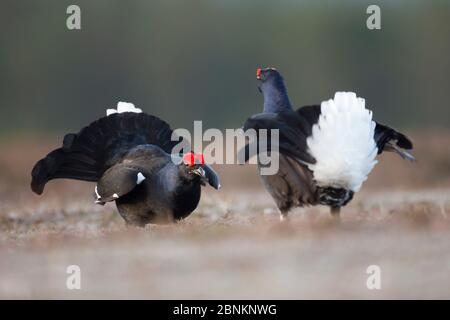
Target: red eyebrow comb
[
  {"x": 190, "y": 159},
  {"x": 258, "y": 73}
]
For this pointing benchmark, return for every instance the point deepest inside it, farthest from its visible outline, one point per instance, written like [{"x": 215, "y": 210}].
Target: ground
[{"x": 234, "y": 245}]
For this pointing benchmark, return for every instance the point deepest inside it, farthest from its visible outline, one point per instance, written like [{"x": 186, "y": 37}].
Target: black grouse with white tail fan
[
  {"x": 326, "y": 151},
  {"x": 128, "y": 154}
]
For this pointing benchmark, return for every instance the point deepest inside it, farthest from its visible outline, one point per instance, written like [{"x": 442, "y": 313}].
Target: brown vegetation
[{"x": 233, "y": 246}]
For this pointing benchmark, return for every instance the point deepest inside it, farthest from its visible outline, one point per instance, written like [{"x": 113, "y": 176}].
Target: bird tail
[
  {"x": 89, "y": 153},
  {"x": 63, "y": 163},
  {"x": 390, "y": 140},
  {"x": 342, "y": 142}
]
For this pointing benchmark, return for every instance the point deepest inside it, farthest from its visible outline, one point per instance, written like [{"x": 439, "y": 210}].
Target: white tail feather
[
  {"x": 123, "y": 107},
  {"x": 342, "y": 143}
]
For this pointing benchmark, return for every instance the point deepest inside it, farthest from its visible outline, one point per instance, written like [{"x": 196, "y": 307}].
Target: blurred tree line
[{"x": 190, "y": 60}]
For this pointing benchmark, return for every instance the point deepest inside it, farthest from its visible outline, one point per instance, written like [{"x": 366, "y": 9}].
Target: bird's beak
[
  {"x": 200, "y": 172},
  {"x": 258, "y": 74}
]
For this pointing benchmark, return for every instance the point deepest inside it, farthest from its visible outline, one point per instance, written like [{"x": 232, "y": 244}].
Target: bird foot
[{"x": 335, "y": 212}]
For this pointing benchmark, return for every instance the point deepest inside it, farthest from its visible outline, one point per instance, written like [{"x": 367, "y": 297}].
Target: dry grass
[{"x": 233, "y": 246}]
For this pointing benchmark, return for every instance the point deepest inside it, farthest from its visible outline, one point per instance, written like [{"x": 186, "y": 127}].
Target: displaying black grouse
[
  {"x": 325, "y": 151},
  {"x": 128, "y": 154}
]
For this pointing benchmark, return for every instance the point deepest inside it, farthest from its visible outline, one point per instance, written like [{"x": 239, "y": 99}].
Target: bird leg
[
  {"x": 283, "y": 216},
  {"x": 335, "y": 212}
]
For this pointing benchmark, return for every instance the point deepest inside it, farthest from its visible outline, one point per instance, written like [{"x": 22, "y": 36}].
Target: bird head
[
  {"x": 194, "y": 163},
  {"x": 195, "y": 168},
  {"x": 268, "y": 77},
  {"x": 271, "y": 85},
  {"x": 266, "y": 73}
]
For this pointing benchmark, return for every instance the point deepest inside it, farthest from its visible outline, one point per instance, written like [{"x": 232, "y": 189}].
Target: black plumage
[
  {"x": 129, "y": 156},
  {"x": 294, "y": 185}
]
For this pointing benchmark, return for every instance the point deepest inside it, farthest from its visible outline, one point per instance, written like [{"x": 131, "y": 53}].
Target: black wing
[
  {"x": 118, "y": 181},
  {"x": 293, "y": 184},
  {"x": 293, "y": 132}
]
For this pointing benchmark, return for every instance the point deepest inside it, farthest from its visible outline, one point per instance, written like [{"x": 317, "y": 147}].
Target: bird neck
[{"x": 276, "y": 98}]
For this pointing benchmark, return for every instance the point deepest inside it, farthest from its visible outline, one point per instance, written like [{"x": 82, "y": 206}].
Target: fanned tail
[
  {"x": 64, "y": 163},
  {"x": 89, "y": 153},
  {"x": 342, "y": 142},
  {"x": 390, "y": 140}
]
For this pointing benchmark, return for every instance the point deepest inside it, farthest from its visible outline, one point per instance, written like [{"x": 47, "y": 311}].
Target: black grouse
[
  {"x": 129, "y": 154},
  {"x": 325, "y": 151}
]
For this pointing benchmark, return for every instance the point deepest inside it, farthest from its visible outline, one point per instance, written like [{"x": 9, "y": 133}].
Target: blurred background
[
  {"x": 191, "y": 60},
  {"x": 196, "y": 60}
]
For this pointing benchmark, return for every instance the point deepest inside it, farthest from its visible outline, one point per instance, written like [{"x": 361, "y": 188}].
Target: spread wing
[
  {"x": 293, "y": 132},
  {"x": 293, "y": 184}
]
